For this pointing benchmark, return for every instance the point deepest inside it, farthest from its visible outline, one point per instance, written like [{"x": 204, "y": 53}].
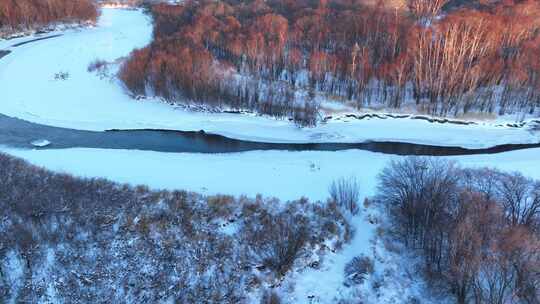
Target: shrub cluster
[{"x": 94, "y": 241}]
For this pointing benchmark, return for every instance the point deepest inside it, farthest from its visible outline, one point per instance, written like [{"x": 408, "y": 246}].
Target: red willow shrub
[
  {"x": 276, "y": 56},
  {"x": 18, "y": 15}
]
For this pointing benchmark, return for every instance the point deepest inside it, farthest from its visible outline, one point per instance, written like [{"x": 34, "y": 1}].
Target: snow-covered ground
[
  {"x": 32, "y": 90},
  {"x": 86, "y": 101},
  {"x": 286, "y": 175}
]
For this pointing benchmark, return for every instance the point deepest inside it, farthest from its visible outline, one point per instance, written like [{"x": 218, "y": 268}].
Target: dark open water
[{"x": 18, "y": 133}]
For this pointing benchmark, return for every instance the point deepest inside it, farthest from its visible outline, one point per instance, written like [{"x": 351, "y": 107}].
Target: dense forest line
[
  {"x": 277, "y": 56},
  {"x": 476, "y": 230},
  {"x": 71, "y": 240},
  {"x": 21, "y": 15}
]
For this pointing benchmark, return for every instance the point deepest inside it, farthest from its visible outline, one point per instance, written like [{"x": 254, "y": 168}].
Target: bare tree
[
  {"x": 423, "y": 9},
  {"x": 479, "y": 238},
  {"x": 345, "y": 192},
  {"x": 520, "y": 197},
  {"x": 279, "y": 241}
]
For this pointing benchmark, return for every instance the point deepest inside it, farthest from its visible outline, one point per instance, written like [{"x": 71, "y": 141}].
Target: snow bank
[{"x": 286, "y": 175}]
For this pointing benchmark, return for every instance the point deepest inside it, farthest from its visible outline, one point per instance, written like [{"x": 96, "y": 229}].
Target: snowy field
[{"x": 32, "y": 91}]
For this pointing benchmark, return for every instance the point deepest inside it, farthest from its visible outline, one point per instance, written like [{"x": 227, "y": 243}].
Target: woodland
[
  {"x": 21, "y": 15},
  {"x": 282, "y": 57}
]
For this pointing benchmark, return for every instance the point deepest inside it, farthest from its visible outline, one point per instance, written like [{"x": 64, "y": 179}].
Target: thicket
[
  {"x": 66, "y": 239},
  {"x": 276, "y": 57},
  {"x": 21, "y": 15},
  {"x": 477, "y": 230}
]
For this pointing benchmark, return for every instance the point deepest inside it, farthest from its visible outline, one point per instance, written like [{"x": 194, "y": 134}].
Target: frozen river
[{"x": 21, "y": 134}]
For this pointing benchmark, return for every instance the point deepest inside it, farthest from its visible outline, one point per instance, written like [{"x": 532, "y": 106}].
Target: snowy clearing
[{"x": 64, "y": 94}]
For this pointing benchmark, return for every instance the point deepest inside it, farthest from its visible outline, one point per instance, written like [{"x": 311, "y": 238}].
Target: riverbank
[
  {"x": 4, "y": 53},
  {"x": 86, "y": 101},
  {"x": 283, "y": 174}
]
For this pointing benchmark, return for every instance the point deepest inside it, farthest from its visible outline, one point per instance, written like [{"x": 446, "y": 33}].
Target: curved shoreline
[
  {"x": 35, "y": 40},
  {"x": 20, "y": 134},
  {"x": 91, "y": 102},
  {"x": 4, "y": 53}
]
